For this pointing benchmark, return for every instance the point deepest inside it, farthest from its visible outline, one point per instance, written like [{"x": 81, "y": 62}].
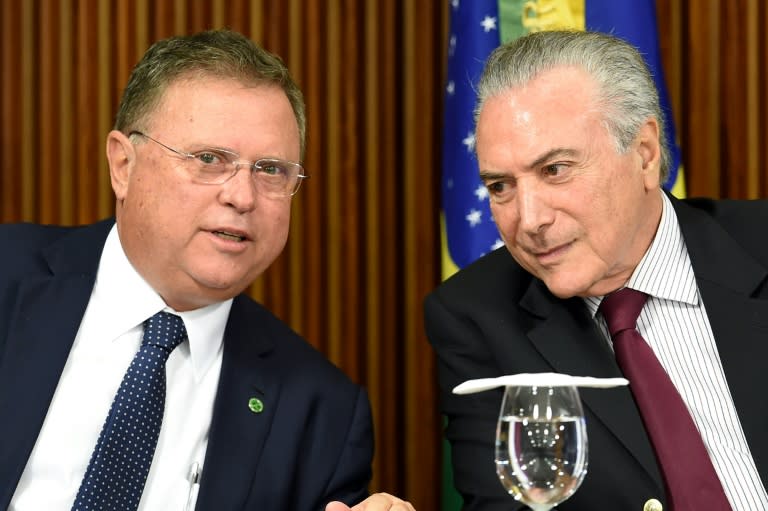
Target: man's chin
[
  {"x": 569, "y": 287},
  {"x": 220, "y": 289},
  {"x": 565, "y": 287},
  {"x": 204, "y": 289}
]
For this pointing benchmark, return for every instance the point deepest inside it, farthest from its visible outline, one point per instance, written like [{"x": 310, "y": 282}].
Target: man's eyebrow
[
  {"x": 487, "y": 175},
  {"x": 558, "y": 152},
  {"x": 552, "y": 154}
]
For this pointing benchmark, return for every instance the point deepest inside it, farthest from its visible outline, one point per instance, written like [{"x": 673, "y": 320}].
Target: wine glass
[{"x": 541, "y": 444}]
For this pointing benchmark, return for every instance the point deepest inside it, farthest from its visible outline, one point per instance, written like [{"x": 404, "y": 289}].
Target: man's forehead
[
  {"x": 552, "y": 103},
  {"x": 569, "y": 81},
  {"x": 198, "y": 92}
]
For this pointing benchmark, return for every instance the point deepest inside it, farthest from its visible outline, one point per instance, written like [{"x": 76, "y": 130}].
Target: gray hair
[
  {"x": 627, "y": 93},
  {"x": 214, "y": 53}
]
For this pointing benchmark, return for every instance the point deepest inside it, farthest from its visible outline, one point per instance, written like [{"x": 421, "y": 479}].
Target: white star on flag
[
  {"x": 488, "y": 23},
  {"x": 474, "y": 217},
  {"x": 497, "y": 244},
  {"x": 481, "y": 192},
  {"x": 469, "y": 141},
  {"x": 473, "y": 35}
]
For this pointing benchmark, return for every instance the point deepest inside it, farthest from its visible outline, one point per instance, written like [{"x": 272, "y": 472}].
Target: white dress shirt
[
  {"x": 675, "y": 324},
  {"x": 108, "y": 338}
]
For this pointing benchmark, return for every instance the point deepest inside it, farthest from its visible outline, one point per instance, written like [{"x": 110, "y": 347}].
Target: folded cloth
[{"x": 537, "y": 380}]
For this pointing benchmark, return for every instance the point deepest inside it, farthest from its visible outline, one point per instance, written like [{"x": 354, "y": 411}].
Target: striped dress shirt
[{"x": 674, "y": 322}]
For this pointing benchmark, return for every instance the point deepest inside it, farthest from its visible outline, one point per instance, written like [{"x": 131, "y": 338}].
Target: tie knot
[
  {"x": 164, "y": 330},
  {"x": 621, "y": 309}
]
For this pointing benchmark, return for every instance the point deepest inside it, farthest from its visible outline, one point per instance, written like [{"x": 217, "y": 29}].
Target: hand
[{"x": 376, "y": 502}]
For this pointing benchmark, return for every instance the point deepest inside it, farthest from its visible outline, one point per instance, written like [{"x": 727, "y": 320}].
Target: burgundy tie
[{"x": 689, "y": 477}]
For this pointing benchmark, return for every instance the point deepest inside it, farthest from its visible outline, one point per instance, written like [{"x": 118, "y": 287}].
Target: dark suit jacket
[
  {"x": 493, "y": 318},
  {"x": 311, "y": 444}
]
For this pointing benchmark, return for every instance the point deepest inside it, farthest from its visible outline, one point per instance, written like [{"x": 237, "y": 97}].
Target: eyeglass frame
[{"x": 233, "y": 161}]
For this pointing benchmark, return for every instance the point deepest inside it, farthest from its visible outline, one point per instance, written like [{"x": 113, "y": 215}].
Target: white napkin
[{"x": 537, "y": 379}]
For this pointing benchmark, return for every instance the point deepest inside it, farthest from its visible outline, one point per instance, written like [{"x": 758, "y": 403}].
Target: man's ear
[
  {"x": 649, "y": 150},
  {"x": 121, "y": 156}
]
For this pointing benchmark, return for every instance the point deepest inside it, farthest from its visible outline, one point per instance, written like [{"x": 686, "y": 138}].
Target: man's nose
[
  {"x": 534, "y": 209},
  {"x": 240, "y": 190}
]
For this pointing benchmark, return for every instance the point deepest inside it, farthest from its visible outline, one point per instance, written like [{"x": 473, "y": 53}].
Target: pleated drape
[
  {"x": 364, "y": 246},
  {"x": 716, "y": 61}
]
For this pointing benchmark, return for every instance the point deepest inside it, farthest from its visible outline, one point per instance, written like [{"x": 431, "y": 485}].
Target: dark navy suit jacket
[
  {"x": 311, "y": 444},
  {"x": 494, "y": 318}
]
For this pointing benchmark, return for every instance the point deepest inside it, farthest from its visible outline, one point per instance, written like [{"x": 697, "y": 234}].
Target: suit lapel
[
  {"x": 42, "y": 327},
  {"x": 569, "y": 340},
  {"x": 237, "y": 432},
  {"x": 732, "y": 286}
]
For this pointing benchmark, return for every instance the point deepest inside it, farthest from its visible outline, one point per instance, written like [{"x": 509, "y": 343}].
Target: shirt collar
[{"x": 125, "y": 300}]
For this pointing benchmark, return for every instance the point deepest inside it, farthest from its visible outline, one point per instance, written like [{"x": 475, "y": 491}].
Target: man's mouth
[
  {"x": 229, "y": 236},
  {"x": 550, "y": 252}
]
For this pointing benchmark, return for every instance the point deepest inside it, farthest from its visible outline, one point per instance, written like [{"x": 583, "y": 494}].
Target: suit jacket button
[{"x": 653, "y": 505}]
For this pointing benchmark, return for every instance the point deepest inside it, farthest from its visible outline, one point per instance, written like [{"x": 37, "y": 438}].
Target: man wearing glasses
[{"x": 211, "y": 403}]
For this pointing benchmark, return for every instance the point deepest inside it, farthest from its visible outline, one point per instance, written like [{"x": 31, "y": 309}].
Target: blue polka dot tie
[{"x": 120, "y": 462}]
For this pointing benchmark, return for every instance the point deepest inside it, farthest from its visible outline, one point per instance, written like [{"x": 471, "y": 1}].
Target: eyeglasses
[{"x": 274, "y": 178}]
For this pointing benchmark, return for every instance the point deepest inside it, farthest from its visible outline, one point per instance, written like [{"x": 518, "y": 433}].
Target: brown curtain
[
  {"x": 364, "y": 247},
  {"x": 716, "y": 62}
]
